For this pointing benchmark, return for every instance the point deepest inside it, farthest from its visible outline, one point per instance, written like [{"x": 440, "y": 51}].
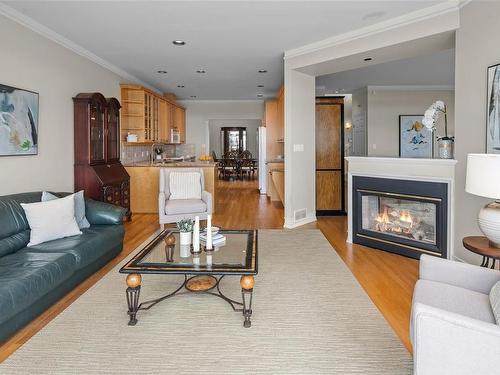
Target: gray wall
[
  {"x": 384, "y": 108},
  {"x": 476, "y": 49},
  {"x": 252, "y": 126},
  {"x": 32, "y": 62}
]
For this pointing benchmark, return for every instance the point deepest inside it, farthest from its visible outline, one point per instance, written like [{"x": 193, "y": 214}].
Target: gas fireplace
[{"x": 400, "y": 216}]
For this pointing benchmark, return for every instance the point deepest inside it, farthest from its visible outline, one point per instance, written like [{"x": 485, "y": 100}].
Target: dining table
[{"x": 233, "y": 167}]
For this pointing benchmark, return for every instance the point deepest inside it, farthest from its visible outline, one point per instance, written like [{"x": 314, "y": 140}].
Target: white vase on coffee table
[{"x": 186, "y": 238}]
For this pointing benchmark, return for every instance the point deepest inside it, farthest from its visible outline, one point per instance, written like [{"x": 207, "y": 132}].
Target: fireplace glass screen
[{"x": 400, "y": 217}]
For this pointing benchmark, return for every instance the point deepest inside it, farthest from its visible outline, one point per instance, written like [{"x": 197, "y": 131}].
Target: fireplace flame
[{"x": 405, "y": 217}]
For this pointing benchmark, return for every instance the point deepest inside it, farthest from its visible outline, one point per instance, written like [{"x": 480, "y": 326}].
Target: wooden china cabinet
[{"x": 98, "y": 170}]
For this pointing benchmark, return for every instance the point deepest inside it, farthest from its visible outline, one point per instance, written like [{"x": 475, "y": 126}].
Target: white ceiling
[
  {"x": 231, "y": 40},
  {"x": 437, "y": 69}
]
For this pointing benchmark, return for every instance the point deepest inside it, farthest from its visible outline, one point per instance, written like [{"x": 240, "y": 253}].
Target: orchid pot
[
  {"x": 445, "y": 144},
  {"x": 445, "y": 147}
]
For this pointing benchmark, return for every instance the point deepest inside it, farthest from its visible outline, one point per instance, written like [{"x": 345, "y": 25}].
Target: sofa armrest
[
  {"x": 100, "y": 213},
  {"x": 449, "y": 343},
  {"x": 207, "y": 198},
  {"x": 459, "y": 274}
]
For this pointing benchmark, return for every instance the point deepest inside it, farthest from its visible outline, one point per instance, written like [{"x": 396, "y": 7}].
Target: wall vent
[{"x": 300, "y": 214}]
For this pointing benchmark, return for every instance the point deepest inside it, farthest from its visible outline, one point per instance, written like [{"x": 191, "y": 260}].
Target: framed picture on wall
[
  {"x": 493, "y": 110},
  {"x": 415, "y": 141},
  {"x": 18, "y": 121}
]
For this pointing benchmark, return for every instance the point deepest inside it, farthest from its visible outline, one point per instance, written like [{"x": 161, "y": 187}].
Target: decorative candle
[
  {"x": 209, "y": 260},
  {"x": 196, "y": 234},
  {"x": 209, "y": 233}
]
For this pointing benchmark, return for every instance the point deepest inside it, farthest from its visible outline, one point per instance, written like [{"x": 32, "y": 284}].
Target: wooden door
[{"x": 329, "y": 156}]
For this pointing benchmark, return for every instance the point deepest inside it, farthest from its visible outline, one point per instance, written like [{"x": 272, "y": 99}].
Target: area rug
[{"x": 310, "y": 317}]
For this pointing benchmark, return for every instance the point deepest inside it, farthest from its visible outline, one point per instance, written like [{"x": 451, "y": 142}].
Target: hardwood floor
[{"x": 388, "y": 279}]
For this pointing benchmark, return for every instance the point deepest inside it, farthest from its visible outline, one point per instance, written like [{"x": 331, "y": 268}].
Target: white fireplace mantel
[{"x": 434, "y": 170}]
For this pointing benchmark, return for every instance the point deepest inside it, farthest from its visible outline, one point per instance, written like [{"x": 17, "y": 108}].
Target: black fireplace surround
[{"x": 400, "y": 216}]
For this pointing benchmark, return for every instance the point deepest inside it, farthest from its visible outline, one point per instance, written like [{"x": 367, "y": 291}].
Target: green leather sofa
[{"x": 33, "y": 278}]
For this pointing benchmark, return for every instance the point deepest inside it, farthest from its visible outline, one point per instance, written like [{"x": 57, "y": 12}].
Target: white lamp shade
[{"x": 483, "y": 175}]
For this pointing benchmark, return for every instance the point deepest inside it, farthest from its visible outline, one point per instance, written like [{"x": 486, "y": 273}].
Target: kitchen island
[{"x": 145, "y": 182}]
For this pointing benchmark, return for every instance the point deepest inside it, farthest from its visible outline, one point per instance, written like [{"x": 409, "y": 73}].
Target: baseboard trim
[{"x": 290, "y": 223}]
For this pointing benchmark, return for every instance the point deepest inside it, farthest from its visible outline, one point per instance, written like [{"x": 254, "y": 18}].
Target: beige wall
[
  {"x": 199, "y": 113},
  {"x": 384, "y": 108},
  {"x": 31, "y": 62},
  {"x": 476, "y": 49}
]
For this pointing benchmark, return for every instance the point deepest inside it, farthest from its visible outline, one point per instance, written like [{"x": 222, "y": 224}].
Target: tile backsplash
[{"x": 139, "y": 153}]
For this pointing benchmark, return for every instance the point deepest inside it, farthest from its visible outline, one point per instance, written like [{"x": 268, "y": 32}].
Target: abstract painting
[
  {"x": 415, "y": 141},
  {"x": 493, "y": 110},
  {"x": 18, "y": 121}
]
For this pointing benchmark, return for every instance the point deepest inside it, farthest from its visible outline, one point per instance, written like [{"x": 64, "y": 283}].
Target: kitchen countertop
[{"x": 186, "y": 164}]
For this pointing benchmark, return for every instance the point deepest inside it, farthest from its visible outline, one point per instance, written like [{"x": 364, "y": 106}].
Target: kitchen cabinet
[
  {"x": 329, "y": 156},
  {"x": 150, "y": 115}
]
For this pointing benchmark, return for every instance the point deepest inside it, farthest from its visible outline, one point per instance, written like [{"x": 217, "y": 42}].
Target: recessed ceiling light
[
  {"x": 180, "y": 86},
  {"x": 262, "y": 71},
  {"x": 193, "y": 96},
  {"x": 201, "y": 71},
  {"x": 178, "y": 42},
  {"x": 260, "y": 85},
  {"x": 368, "y": 59},
  {"x": 259, "y": 95},
  {"x": 161, "y": 71}
]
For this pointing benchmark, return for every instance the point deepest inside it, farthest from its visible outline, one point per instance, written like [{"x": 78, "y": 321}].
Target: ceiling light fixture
[
  {"x": 201, "y": 71},
  {"x": 259, "y": 95},
  {"x": 180, "y": 86},
  {"x": 178, "y": 42},
  {"x": 368, "y": 59},
  {"x": 161, "y": 71},
  {"x": 262, "y": 71},
  {"x": 260, "y": 85}
]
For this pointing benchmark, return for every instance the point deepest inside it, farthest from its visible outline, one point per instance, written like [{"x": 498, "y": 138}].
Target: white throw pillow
[
  {"x": 185, "y": 185},
  {"x": 51, "y": 220},
  {"x": 79, "y": 207}
]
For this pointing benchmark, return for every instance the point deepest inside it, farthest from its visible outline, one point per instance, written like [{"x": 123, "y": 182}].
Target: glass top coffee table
[{"x": 202, "y": 272}]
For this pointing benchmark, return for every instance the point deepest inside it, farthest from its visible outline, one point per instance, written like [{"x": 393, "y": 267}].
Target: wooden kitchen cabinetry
[
  {"x": 98, "y": 170},
  {"x": 330, "y": 156},
  {"x": 149, "y": 115},
  {"x": 274, "y": 120}
]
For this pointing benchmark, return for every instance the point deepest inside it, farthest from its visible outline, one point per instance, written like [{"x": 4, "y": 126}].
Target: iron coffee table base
[{"x": 206, "y": 284}]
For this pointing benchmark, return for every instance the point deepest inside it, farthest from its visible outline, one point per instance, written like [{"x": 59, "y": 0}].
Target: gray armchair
[
  {"x": 171, "y": 211},
  {"x": 452, "y": 326}
]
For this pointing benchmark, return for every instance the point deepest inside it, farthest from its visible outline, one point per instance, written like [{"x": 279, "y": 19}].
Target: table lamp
[{"x": 483, "y": 179}]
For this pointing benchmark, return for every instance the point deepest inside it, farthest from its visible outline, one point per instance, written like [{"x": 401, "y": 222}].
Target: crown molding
[
  {"x": 412, "y": 88},
  {"x": 50, "y": 34},
  {"x": 406, "y": 19}
]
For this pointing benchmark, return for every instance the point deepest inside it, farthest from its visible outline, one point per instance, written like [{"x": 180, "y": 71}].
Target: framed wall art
[
  {"x": 18, "y": 121},
  {"x": 493, "y": 110},
  {"x": 415, "y": 141}
]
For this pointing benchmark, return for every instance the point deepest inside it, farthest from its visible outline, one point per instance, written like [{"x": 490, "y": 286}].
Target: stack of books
[{"x": 217, "y": 239}]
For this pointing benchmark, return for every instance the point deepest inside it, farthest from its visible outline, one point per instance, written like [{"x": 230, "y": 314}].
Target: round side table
[{"x": 481, "y": 245}]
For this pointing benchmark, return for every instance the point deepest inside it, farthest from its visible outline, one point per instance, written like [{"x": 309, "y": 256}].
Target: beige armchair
[{"x": 171, "y": 211}]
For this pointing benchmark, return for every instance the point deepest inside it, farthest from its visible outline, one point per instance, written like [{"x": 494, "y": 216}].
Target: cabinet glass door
[
  {"x": 96, "y": 134},
  {"x": 113, "y": 136}
]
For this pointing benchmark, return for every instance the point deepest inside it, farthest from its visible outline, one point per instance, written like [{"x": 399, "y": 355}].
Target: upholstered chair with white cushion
[
  {"x": 453, "y": 327},
  {"x": 182, "y": 195}
]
